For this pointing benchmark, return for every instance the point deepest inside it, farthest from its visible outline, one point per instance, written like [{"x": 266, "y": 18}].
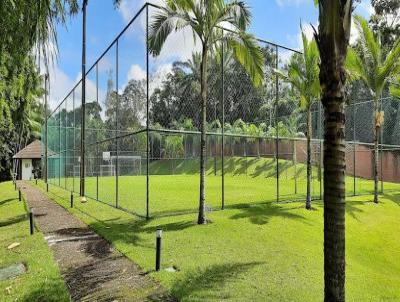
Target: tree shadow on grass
[
  {"x": 4, "y": 201},
  {"x": 131, "y": 230},
  {"x": 261, "y": 213},
  {"x": 352, "y": 207},
  {"x": 267, "y": 168},
  {"x": 13, "y": 220},
  {"x": 395, "y": 197},
  {"x": 207, "y": 284}
]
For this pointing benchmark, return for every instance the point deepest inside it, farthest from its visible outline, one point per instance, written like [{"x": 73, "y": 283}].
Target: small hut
[{"x": 28, "y": 161}]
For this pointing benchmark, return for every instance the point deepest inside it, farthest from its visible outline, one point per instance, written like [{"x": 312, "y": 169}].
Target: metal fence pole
[
  {"x": 83, "y": 104},
  {"x": 59, "y": 147},
  {"x": 116, "y": 127},
  {"x": 46, "y": 78},
  {"x": 276, "y": 127},
  {"x": 65, "y": 145},
  {"x": 320, "y": 148},
  {"x": 73, "y": 172},
  {"x": 354, "y": 150},
  {"x": 223, "y": 129},
  {"x": 97, "y": 144},
  {"x": 381, "y": 155},
  {"x": 147, "y": 114}
]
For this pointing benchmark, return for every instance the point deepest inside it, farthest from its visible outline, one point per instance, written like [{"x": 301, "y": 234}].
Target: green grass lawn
[
  {"x": 42, "y": 282},
  {"x": 254, "y": 250},
  {"x": 251, "y": 180}
]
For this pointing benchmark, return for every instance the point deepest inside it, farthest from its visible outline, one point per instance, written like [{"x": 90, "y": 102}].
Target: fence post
[
  {"x": 321, "y": 146},
  {"x": 147, "y": 114},
  {"x": 83, "y": 103},
  {"x": 276, "y": 127},
  {"x": 97, "y": 144},
  {"x": 116, "y": 128},
  {"x": 381, "y": 159},
  {"x": 354, "y": 149},
  {"x": 59, "y": 148},
  {"x": 223, "y": 129},
  {"x": 74, "y": 152},
  {"x": 46, "y": 77}
]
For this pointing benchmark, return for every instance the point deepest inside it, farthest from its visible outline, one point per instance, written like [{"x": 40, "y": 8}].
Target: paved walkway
[{"x": 92, "y": 269}]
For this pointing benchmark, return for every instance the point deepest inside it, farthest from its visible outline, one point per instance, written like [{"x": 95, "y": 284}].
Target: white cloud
[
  {"x": 60, "y": 85},
  {"x": 291, "y": 2},
  {"x": 158, "y": 76},
  {"x": 297, "y": 40},
  {"x": 136, "y": 73},
  {"x": 178, "y": 46},
  {"x": 354, "y": 34}
]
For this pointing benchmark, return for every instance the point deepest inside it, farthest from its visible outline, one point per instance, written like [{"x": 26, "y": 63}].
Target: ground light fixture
[{"x": 158, "y": 248}]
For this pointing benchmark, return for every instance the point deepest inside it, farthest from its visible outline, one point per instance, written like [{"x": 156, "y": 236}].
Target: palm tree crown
[
  {"x": 207, "y": 19},
  {"x": 370, "y": 62}
]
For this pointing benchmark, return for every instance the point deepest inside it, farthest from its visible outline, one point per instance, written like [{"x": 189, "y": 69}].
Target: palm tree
[
  {"x": 206, "y": 18},
  {"x": 333, "y": 39},
  {"x": 303, "y": 75},
  {"x": 374, "y": 66}
]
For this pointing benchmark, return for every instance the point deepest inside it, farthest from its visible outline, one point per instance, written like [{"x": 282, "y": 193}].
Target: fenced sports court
[{"x": 142, "y": 139}]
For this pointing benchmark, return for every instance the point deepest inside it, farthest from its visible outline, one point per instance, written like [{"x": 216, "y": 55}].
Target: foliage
[
  {"x": 20, "y": 112},
  {"x": 386, "y": 21},
  {"x": 29, "y": 24}
]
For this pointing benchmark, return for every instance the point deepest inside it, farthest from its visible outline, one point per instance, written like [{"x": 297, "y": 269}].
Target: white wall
[{"x": 27, "y": 169}]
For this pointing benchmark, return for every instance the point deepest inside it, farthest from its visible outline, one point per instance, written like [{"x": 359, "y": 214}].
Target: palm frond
[
  {"x": 355, "y": 67},
  {"x": 368, "y": 40},
  {"x": 164, "y": 23},
  {"x": 391, "y": 64},
  {"x": 248, "y": 53}
]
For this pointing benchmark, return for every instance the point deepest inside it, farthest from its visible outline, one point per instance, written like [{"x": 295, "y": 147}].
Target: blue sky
[{"x": 274, "y": 20}]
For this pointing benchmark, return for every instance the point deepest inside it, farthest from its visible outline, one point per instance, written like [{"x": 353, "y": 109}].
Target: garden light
[{"x": 158, "y": 248}]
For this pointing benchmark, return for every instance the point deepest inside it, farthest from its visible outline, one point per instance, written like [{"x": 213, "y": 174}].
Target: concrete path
[{"x": 92, "y": 269}]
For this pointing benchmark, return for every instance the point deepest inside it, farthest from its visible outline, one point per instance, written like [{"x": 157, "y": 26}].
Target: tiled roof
[{"x": 33, "y": 150}]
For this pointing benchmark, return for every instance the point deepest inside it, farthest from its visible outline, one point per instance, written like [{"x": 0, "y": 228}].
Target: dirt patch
[{"x": 92, "y": 269}]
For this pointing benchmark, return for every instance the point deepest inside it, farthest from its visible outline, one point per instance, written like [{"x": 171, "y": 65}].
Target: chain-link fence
[{"x": 142, "y": 139}]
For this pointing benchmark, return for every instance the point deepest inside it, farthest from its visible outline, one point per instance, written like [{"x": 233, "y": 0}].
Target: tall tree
[
  {"x": 375, "y": 66},
  {"x": 303, "y": 75},
  {"x": 333, "y": 39},
  {"x": 25, "y": 24},
  {"x": 386, "y": 20},
  {"x": 205, "y": 18}
]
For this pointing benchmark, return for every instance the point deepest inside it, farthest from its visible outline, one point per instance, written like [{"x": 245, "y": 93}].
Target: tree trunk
[
  {"x": 309, "y": 130},
  {"x": 376, "y": 154},
  {"x": 334, "y": 200},
  {"x": 333, "y": 39},
  {"x": 203, "y": 86}
]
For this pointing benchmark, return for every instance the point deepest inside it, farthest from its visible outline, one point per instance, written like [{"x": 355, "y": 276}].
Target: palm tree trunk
[
  {"x": 333, "y": 40},
  {"x": 376, "y": 154},
  {"x": 202, "y": 213},
  {"x": 334, "y": 200},
  {"x": 309, "y": 129}
]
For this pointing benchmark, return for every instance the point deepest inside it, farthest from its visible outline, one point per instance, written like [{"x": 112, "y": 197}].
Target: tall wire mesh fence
[{"x": 142, "y": 139}]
